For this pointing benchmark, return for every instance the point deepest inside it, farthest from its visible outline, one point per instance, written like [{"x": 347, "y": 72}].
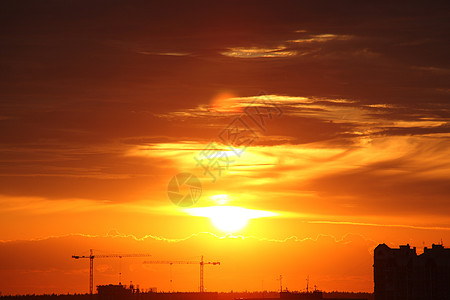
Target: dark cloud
[{"x": 83, "y": 82}]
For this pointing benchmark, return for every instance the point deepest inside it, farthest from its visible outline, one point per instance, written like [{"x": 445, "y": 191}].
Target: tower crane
[
  {"x": 201, "y": 263},
  {"x": 91, "y": 257}
]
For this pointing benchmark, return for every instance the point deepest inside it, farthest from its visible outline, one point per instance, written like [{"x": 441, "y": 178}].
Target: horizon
[
  {"x": 275, "y": 137},
  {"x": 148, "y": 291}
]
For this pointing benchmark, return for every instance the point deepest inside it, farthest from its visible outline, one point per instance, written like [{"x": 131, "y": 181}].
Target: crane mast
[
  {"x": 91, "y": 271},
  {"x": 202, "y": 286},
  {"x": 202, "y": 263}
]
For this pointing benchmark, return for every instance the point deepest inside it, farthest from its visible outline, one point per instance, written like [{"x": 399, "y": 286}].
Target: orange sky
[{"x": 103, "y": 104}]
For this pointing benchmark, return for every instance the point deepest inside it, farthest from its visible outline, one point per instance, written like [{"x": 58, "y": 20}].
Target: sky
[{"x": 342, "y": 110}]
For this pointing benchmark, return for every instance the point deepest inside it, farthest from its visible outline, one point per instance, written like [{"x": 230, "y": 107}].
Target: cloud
[
  {"x": 164, "y": 53},
  {"x": 282, "y": 50},
  {"x": 353, "y": 117},
  {"x": 41, "y": 206},
  {"x": 321, "y": 38},
  {"x": 315, "y": 140},
  {"x": 256, "y": 52}
]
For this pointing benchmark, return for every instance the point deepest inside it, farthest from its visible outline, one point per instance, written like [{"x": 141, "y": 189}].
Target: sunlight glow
[
  {"x": 229, "y": 218},
  {"x": 220, "y": 199},
  {"x": 225, "y": 102}
]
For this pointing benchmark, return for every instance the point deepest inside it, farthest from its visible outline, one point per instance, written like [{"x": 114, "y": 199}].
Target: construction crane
[
  {"x": 91, "y": 257},
  {"x": 201, "y": 263}
]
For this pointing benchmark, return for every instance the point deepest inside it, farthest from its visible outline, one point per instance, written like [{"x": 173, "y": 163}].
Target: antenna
[
  {"x": 120, "y": 270},
  {"x": 281, "y": 284},
  {"x": 307, "y": 284},
  {"x": 171, "y": 288}
]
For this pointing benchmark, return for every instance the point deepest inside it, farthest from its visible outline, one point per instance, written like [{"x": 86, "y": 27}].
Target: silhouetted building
[
  {"x": 401, "y": 274},
  {"x": 315, "y": 295},
  {"x": 114, "y": 292},
  {"x": 120, "y": 292}
]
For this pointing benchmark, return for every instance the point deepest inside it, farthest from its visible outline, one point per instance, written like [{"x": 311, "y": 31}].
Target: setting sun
[
  {"x": 220, "y": 199},
  {"x": 229, "y": 218},
  {"x": 225, "y": 102}
]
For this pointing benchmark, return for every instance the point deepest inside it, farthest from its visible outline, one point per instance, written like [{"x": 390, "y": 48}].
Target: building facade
[{"x": 401, "y": 274}]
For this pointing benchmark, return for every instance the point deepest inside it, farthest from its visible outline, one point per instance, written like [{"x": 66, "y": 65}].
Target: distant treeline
[
  {"x": 219, "y": 296},
  {"x": 348, "y": 295},
  {"x": 51, "y": 296}
]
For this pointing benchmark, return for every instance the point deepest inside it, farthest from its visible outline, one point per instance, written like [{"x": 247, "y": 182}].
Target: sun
[
  {"x": 229, "y": 219},
  {"x": 220, "y": 199},
  {"x": 225, "y": 102}
]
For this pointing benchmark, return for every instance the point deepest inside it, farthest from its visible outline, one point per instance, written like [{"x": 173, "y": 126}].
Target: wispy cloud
[
  {"x": 321, "y": 38},
  {"x": 285, "y": 51},
  {"x": 256, "y": 52},
  {"x": 42, "y": 206},
  {"x": 366, "y": 149},
  {"x": 164, "y": 53}
]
